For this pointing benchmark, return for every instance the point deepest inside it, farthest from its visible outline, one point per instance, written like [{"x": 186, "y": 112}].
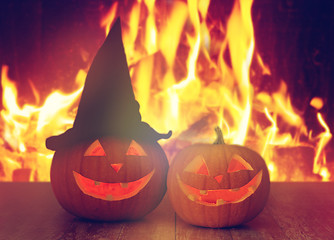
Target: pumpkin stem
[{"x": 220, "y": 137}]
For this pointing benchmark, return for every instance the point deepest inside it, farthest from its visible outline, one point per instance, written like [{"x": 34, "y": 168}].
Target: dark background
[{"x": 45, "y": 43}]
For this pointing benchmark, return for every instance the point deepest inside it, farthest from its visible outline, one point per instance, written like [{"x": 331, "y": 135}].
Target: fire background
[{"x": 44, "y": 43}]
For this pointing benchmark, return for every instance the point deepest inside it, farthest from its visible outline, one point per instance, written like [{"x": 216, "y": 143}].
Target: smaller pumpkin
[{"x": 218, "y": 185}]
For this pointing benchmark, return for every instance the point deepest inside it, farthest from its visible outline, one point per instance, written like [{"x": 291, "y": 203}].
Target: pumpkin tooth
[
  {"x": 203, "y": 192},
  {"x": 124, "y": 185},
  {"x": 191, "y": 197},
  {"x": 220, "y": 202},
  {"x": 109, "y": 197},
  {"x": 251, "y": 189}
]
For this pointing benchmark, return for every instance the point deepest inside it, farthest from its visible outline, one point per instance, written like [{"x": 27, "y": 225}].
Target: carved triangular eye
[
  {"x": 237, "y": 163},
  {"x": 116, "y": 166},
  {"x": 198, "y": 166},
  {"x": 95, "y": 149},
  {"x": 135, "y": 150}
]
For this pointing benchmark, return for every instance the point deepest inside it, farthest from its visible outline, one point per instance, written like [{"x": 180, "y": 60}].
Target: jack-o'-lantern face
[
  {"x": 217, "y": 185},
  {"x": 109, "y": 178},
  {"x": 113, "y": 191},
  {"x": 216, "y": 197}
]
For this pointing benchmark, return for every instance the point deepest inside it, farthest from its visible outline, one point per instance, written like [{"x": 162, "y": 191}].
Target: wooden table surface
[{"x": 294, "y": 211}]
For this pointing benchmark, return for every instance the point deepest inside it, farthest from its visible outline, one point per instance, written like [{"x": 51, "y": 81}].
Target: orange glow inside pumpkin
[
  {"x": 237, "y": 164},
  {"x": 220, "y": 196},
  {"x": 114, "y": 191},
  {"x": 95, "y": 149},
  {"x": 111, "y": 191},
  {"x": 198, "y": 166},
  {"x": 203, "y": 170},
  {"x": 135, "y": 150},
  {"x": 116, "y": 166},
  {"x": 219, "y": 178}
]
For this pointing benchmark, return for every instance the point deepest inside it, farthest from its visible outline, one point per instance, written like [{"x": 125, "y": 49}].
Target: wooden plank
[
  {"x": 30, "y": 211},
  {"x": 157, "y": 225},
  {"x": 186, "y": 231},
  {"x": 264, "y": 226},
  {"x": 304, "y": 210},
  {"x": 85, "y": 229},
  {"x": 293, "y": 211}
]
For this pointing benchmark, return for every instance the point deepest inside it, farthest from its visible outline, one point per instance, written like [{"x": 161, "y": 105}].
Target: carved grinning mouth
[
  {"x": 221, "y": 196},
  {"x": 111, "y": 191}
]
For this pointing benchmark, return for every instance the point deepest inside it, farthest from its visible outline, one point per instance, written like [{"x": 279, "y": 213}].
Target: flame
[
  {"x": 189, "y": 74},
  {"x": 324, "y": 137},
  {"x": 25, "y": 128},
  {"x": 108, "y": 20},
  {"x": 317, "y": 103}
]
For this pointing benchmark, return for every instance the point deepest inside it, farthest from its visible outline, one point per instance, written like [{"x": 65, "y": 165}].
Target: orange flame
[
  {"x": 108, "y": 20},
  {"x": 319, "y": 165},
  {"x": 26, "y": 128},
  {"x": 185, "y": 79}
]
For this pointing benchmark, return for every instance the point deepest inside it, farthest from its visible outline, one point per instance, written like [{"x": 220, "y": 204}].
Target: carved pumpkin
[
  {"x": 110, "y": 179},
  {"x": 218, "y": 185}
]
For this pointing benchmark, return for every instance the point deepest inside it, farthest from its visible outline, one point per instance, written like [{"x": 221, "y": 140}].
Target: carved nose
[
  {"x": 219, "y": 178},
  {"x": 116, "y": 166}
]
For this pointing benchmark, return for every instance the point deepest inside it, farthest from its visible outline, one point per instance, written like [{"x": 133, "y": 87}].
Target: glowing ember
[{"x": 189, "y": 74}]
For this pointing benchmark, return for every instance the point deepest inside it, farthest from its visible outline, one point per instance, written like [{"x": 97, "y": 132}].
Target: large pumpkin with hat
[
  {"x": 109, "y": 166},
  {"x": 109, "y": 178}
]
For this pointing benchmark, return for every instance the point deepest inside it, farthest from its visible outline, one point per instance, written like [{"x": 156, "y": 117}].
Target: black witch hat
[{"x": 107, "y": 106}]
